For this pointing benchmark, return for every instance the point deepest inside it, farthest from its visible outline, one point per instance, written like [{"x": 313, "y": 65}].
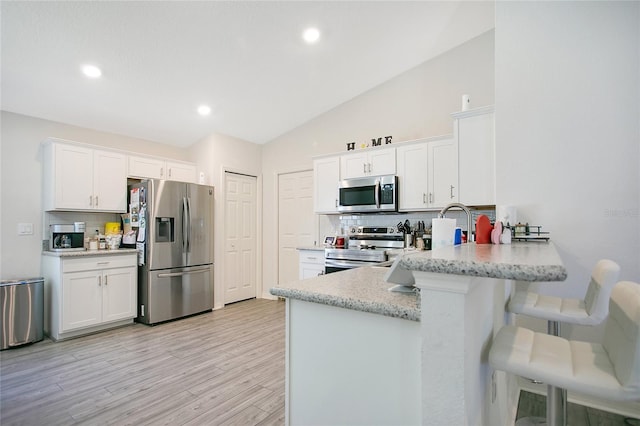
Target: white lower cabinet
[
  {"x": 87, "y": 294},
  {"x": 311, "y": 263}
]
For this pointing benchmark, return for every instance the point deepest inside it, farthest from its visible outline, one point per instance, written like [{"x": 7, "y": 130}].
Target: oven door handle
[
  {"x": 378, "y": 190},
  {"x": 347, "y": 264}
]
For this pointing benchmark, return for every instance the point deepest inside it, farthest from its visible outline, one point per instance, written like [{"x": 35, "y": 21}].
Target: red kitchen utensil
[{"x": 483, "y": 230}]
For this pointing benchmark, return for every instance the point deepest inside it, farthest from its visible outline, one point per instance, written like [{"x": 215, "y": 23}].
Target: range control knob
[{"x": 353, "y": 230}]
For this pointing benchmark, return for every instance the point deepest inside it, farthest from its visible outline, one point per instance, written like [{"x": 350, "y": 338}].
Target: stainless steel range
[{"x": 367, "y": 245}]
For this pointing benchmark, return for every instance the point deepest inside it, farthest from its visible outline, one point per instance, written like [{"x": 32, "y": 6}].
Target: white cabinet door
[
  {"x": 119, "y": 294},
  {"x": 382, "y": 162},
  {"x": 109, "y": 181},
  {"x": 354, "y": 165},
  {"x": 72, "y": 177},
  {"x": 146, "y": 167},
  {"x": 474, "y": 131},
  {"x": 368, "y": 163},
  {"x": 326, "y": 176},
  {"x": 81, "y": 300},
  {"x": 311, "y": 263},
  {"x": 413, "y": 164},
  {"x": 181, "y": 172},
  {"x": 443, "y": 173}
]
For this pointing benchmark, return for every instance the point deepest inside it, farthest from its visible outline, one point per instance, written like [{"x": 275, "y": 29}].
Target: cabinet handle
[
  {"x": 105, "y": 280},
  {"x": 369, "y": 167},
  {"x": 430, "y": 197},
  {"x": 311, "y": 258},
  {"x": 99, "y": 280},
  {"x": 161, "y": 171},
  {"x": 169, "y": 171},
  {"x": 336, "y": 203},
  {"x": 364, "y": 167},
  {"x": 90, "y": 201},
  {"x": 424, "y": 198},
  {"x": 452, "y": 191},
  {"x": 96, "y": 201},
  {"x": 102, "y": 263}
]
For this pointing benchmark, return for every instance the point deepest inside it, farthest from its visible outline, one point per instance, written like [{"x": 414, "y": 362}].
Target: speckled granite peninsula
[
  {"x": 536, "y": 261},
  {"x": 360, "y": 354},
  {"x": 360, "y": 289}
]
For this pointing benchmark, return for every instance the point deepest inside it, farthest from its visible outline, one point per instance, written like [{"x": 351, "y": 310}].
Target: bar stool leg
[
  {"x": 556, "y": 397},
  {"x": 556, "y": 406}
]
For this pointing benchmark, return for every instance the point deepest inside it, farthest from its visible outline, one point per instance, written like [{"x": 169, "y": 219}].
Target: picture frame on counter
[{"x": 329, "y": 240}]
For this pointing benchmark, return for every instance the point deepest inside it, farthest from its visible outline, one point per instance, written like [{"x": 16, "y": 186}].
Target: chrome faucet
[{"x": 466, "y": 210}]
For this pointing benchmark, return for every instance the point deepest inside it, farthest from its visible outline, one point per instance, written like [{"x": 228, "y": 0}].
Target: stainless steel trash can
[{"x": 22, "y": 312}]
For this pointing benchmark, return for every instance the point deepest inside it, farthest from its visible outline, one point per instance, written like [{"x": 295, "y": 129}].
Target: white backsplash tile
[{"x": 340, "y": 224}]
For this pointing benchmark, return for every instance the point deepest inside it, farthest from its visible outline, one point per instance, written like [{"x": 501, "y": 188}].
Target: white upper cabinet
[
  {"x": 427, "y": 175},
  {"x": 80, "y": 178},
  {"x": 443, "y": 173},
  {"x": 155, "y": 168},
  {"x": 373, "y": 162},
  {"x": 183, "y": 172},
  {"x": 146, "y": 167},
  {"x": 474, "y": 132},
  {"x": 413, "y": 176},
  {"x": 326, "y": 175}
]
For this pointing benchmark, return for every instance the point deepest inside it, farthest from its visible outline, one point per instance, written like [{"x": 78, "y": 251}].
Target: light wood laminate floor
[{"x": 220, "y": 368}]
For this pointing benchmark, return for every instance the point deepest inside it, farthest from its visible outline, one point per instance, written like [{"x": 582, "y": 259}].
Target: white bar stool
[
  {"x": 592, "y": 310},
  {"x": 610, "y": 370}
]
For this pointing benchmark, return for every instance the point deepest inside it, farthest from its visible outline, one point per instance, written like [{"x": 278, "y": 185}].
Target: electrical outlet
[{"x": 25, "y": 229}]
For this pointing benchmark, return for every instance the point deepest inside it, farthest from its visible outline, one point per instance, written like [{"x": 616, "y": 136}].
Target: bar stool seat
[
  {"x": 592, "y": 310},
  {"x": 609, "y": 370}
]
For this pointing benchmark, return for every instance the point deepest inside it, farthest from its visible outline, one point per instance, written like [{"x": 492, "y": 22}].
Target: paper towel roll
[
  {"x": 442, "y": 232},
  {"x": 506, "y": 214}
]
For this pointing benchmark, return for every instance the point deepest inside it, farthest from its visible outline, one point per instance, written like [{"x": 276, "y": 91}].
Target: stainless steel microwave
[{"x": 370, "y": 194}]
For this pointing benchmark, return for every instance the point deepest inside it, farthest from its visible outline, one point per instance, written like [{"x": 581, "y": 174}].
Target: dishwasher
[{"x": 21, "y": 312}]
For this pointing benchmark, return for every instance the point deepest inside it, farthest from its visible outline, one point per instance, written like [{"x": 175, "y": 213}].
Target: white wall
[
  {"x": 568, "y": 128},
  {"x": 568, "y": 132},
  {"x": 215, "y": 154},
  {"x": 413, "y": 105},
  {"x": 21, "y": 180}
]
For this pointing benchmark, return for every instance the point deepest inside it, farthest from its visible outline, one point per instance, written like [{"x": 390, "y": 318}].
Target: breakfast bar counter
[{"x": 358, "y": 353}]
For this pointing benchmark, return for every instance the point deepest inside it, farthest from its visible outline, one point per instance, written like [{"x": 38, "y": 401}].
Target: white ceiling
[{"x": 160, "y": 60}]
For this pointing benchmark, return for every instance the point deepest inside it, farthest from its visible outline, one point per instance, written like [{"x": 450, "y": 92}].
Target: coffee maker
[{"x": 67, "y": 237}]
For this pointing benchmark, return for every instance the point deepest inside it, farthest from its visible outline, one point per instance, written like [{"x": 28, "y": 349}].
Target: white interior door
[
  {"x": 296, "y": 225},
  {"x": 240, "y": 237}
]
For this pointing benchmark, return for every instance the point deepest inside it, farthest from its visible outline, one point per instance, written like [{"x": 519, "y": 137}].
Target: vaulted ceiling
[{"x": 246, "y": 60}]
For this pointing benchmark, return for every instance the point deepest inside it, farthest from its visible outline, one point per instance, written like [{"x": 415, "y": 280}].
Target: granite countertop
[
  {"x": 320, "y": 248},
  {"x": 88, "y": 252},
  {"x": 534, "y": 261},
  {"x": 361, "y": 289}
]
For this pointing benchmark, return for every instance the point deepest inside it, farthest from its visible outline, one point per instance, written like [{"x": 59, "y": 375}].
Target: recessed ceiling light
[
  {"x": 311, "y": 35},
  {"x": 91, "y": 71},
  {"x": 204, "y": 110}
]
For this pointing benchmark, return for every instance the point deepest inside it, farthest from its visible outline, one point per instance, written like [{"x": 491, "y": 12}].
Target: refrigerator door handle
[
  {"x": 185, "y": 225},
  {"x": 179, "y": 274},
  {"x": 188, "y": 225}
]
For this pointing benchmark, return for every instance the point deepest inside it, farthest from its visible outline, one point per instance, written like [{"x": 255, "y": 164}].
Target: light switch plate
[{"x": 25, "y": 229}]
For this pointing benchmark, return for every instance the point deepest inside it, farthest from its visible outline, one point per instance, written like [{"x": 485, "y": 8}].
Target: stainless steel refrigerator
[{"x": 175, "y": 278}]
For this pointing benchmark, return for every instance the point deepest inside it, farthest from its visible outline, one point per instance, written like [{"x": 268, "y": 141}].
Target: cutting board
[{"x": 483, "y": 230}]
